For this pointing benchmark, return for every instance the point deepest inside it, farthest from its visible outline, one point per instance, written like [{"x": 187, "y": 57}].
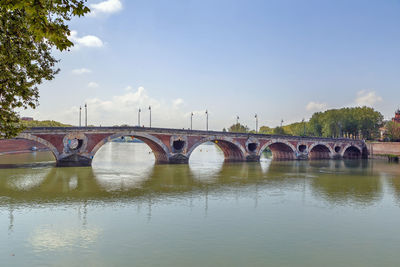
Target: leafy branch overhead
[{"x": 29, "y": 29}]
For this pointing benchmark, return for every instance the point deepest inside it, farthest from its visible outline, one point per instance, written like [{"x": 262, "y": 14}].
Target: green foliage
[
  {"x": 47, "y": 123},
  {"x": 29, "y": 30},
  {"x": 393, "y": 131},
  {"x": 297, "y": 128},
  {"x": 360, "y": 122},
  {"x": 238, "y": 128},
  {"x": 279, "y": 130},
  {"x": 357, "y": 122},
  {"x": 266, "y": 130}
]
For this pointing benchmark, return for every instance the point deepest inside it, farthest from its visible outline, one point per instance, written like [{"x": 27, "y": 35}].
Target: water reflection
[
  {"x": 338, "y": 182},
  {"x": 51, "y": 237},
  {"x": 127, "y": 205}
]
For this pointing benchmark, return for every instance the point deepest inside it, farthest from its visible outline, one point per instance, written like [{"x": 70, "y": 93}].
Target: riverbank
[
  {"x": 384, "y": 150},
  {"x": 16, "y": 146}
]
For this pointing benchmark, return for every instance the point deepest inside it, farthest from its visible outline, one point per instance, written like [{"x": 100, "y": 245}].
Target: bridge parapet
[{"x": 77, "y": 146}]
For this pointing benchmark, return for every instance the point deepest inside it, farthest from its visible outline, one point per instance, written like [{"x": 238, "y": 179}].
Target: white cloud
[
  {"x": 93, "y": 85},
  {"x": 105, "y": 7},
  {"x": 177, "y": 103},
  {"x": 87, "y": 40},
  {"x": 315, "y": 106},
  {"x": 128, "y": 88},
  {"x": 81, "y": 71},
  {"x": 365, "y": 98}
]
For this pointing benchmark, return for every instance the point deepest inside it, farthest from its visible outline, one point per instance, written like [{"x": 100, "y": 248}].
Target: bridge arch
[
  {"x": 34, "y": 138},
  {"x": 352, "y": 151},
  {"x": 320, "y": 151},
  {"x": 160, "y": 150},
  {"x": 281, "y": 149},
  {"x": 233, "y": 151}
]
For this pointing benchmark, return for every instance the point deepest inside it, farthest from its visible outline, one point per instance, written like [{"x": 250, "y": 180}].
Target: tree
[
  {"x": 354, "y": 122},
  {"x": 315, "y": 124},
  {"x": 238, "y": 128},
  {"x": 29, "y": 30},
  {"x": 279, "y": 130},
  {"x": 393, "y": 131},
  {"x": 46, "y": 123},
  {"x": 297, "y": 128},
  {"x": 265, "y": 130}
]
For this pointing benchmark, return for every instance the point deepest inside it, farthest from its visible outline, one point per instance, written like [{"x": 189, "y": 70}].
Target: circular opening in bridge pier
[
  {"x": 178, "y": 145},
  {"x": 302, "y": 148},
  {"x": 75, "y": 144},
  {"x": 337, "y": 149},
  {"x": 252, "y": 147}
]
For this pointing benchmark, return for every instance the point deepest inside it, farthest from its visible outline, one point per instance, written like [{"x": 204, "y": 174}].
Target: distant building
[
  {"x": 396, "y": 116},
  {"x": 27, "y": 119}
]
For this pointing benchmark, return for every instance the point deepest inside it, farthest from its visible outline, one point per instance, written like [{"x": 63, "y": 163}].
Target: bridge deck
[{"x": 178, "y": 131}]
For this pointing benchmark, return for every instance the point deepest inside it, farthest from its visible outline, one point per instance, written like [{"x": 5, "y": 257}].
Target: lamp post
[
  {"x": 207, "y": 120},
  {"x": 237, "y": 119},
  {"x": 281, "y": 123},
  {"x": 80, "y": 116},
  {"x": 191, "y": 121},
  {"x": 256, "y": 117},
  {"x": 150, "y": 115},
  {"x": 138, "y": 119},
  {"x": 85, "y": 115}
]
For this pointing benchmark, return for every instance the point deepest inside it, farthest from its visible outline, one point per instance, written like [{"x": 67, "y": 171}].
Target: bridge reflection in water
[
  {"x": 360, "y": 184},
  {"x": 125, "y": 208}
]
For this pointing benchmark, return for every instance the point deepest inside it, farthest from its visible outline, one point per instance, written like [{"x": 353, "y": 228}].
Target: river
[{"x": 126, "y": 211}]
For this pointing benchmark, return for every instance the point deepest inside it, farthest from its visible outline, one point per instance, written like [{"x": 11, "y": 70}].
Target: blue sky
[{"x": 281, "y": 59}]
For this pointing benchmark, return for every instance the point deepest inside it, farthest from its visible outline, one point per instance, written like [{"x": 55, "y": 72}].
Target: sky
[{"x": 279, "y": 59}]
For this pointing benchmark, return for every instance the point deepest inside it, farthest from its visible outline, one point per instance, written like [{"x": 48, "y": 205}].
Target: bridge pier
[
  {"x": 178, "y": 159},
  {"x": 74, "y": 160},
  {"x": 253, "y": 158}
]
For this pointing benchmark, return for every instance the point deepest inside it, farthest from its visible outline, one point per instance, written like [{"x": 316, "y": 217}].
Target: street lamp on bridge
[
  {"x": 256, "y": 117},
  {"x": 237, "y": 119},
  {"x": 139, "y": 117},
  {"x": 80, "y": 116},
  {"x": 150, "y": 115},
  {"x": 85, "y": 115},
  {"x": 191, "y": 121},
  {"x": 207, "y": 120}
]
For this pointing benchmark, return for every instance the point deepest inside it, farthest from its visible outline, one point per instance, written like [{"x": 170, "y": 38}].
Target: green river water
[{"x": 126, "y": 211}]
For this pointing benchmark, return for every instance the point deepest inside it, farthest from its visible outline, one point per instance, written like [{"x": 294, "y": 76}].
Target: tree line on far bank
[{"x": 354, "y": 122}]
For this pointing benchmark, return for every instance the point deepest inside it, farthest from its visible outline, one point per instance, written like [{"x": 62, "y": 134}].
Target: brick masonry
[
  {"x": 76, "y": 146},
  {"x": 377, "y": 149}
]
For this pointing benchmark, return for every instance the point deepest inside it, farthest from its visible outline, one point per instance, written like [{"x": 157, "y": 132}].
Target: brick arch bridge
[{"x": 77, "y": 146}]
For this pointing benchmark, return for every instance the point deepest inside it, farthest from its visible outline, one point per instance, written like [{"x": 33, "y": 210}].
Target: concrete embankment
[
  {"x": 14, "y": 146},
  {"x": 384, "y": 150}
]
